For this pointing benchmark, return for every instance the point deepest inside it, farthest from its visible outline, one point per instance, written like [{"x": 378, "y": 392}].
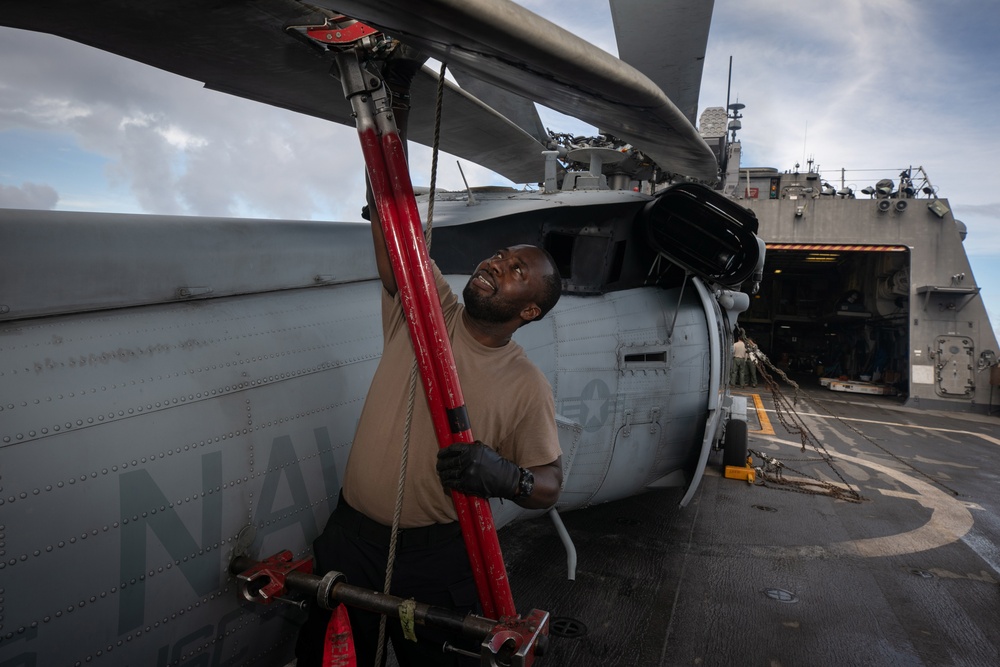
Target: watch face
[{"x": 527, "y": 484}]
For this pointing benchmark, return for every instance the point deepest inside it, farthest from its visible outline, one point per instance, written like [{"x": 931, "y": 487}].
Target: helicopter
[{"x": 179, "y": 391}]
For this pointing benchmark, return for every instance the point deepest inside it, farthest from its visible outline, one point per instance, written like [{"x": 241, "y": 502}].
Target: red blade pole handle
[
  {"x": 414, "y": 319},
  {"x": 449, "y": 390},
  {"x": 388, "y": 174}
]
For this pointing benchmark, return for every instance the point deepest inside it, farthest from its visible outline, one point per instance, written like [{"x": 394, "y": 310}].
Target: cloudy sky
[{"x": 853, "y": 84}]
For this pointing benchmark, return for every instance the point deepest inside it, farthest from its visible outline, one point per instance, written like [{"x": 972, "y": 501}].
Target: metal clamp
[
  {"x": 265, "y": 581},
  {"x": 517, "y": 641},
  {"x": 339, "y": 31}
]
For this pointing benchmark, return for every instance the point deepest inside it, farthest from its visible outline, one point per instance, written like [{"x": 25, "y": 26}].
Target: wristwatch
[{"x": 526, "y": 484}]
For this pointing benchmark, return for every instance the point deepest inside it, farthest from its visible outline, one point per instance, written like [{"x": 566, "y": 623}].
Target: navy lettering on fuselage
[
  {"x": 331, "y": 478},
  {"x": 206, "y": 573},
  {"x": 138, "y": 493},
  {"x": 283, "y": 462}
]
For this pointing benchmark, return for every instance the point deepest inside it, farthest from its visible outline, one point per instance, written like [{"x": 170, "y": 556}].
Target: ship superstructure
[{"x": 870, "y": 291}]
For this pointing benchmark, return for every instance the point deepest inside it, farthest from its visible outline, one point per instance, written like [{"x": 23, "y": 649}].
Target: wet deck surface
[{"x": 757, "y": 575}]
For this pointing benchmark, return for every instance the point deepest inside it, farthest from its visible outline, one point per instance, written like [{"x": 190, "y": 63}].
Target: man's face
[{"x": 505, "y": 284}]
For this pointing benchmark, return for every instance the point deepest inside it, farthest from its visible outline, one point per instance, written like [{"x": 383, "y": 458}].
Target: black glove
[{"x": 477, "y": 470}]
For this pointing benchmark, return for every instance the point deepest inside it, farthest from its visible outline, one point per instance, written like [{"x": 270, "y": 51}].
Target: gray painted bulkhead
[{"x": 941, "y": 304}]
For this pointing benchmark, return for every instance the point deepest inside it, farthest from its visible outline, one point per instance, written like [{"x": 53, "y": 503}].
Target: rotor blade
[
  {"x": 242, "y": 48},
  {"x": 666, "y": 41},
  {"x": 509, "y": 46},
  {"x": 519, "y": 110}
]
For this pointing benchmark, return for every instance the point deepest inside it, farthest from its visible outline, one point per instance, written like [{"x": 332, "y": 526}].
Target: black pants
[{"x": 431, "y": 566}]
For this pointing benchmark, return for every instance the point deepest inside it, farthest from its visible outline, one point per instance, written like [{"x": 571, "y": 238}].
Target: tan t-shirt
[{"x": 510, "y": 408}]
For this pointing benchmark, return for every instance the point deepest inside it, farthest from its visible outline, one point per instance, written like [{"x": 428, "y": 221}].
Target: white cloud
[
  {"x": 138, "y": 120},
  {"x": 53, "y": 111},
  {"x": 179, "y": 148},
  {"x": 180, "y": 139},
  {"x": 28, "y": 195}
]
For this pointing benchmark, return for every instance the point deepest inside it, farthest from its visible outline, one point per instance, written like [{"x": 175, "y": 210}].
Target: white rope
[{"x": 439, "y": 102}]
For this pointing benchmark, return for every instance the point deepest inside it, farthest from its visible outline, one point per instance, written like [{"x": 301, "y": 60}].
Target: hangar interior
[{"x": 834, "y": 311}]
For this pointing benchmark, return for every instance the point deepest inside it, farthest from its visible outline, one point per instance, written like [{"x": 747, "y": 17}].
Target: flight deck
[{"x": 795, "y": 573}]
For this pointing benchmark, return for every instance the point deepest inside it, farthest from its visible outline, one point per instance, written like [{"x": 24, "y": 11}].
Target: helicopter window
[
  {"x": 589, "y": 260},
  {"x": 560, "y": 246}
]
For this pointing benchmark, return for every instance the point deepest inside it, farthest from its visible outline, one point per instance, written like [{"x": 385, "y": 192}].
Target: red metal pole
[
  {"x": 396, "y": 244},
  {"x": 393, "y": 191},
  {"x": 448, "y": 390}
]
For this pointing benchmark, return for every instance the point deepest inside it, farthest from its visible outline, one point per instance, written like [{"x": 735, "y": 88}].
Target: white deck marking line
[
  {"x": 949, "y": 522},
  {"x": 988, "y": 438}
]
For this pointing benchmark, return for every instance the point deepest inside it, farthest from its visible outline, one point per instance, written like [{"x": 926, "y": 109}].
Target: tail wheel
[{"x": 734, "y": 448}]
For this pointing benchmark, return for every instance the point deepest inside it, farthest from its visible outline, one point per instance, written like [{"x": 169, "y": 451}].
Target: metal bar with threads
[
  {"x": 393, "y": 192},
  {"x": 511, "y": 642}
]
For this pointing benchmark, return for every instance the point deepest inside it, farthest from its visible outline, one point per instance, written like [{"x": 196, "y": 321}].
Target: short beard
[{"x": 495, "y": 309}]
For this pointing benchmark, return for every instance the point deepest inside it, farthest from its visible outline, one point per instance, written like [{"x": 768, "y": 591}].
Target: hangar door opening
[{"x": 835, "y": 311}]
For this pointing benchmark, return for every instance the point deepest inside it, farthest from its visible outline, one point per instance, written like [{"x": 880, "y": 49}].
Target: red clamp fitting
[
  {"x": 340, "y": 34},
  {"x": 517, "y": 641},
  {"x": 265, "y": 581}
]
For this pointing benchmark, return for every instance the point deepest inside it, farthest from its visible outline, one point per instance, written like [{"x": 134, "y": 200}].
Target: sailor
[
  {"x": 511, "y": 410},
  {"x": 738, "y": 376},
  {"x": 753, "y": 358}
]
